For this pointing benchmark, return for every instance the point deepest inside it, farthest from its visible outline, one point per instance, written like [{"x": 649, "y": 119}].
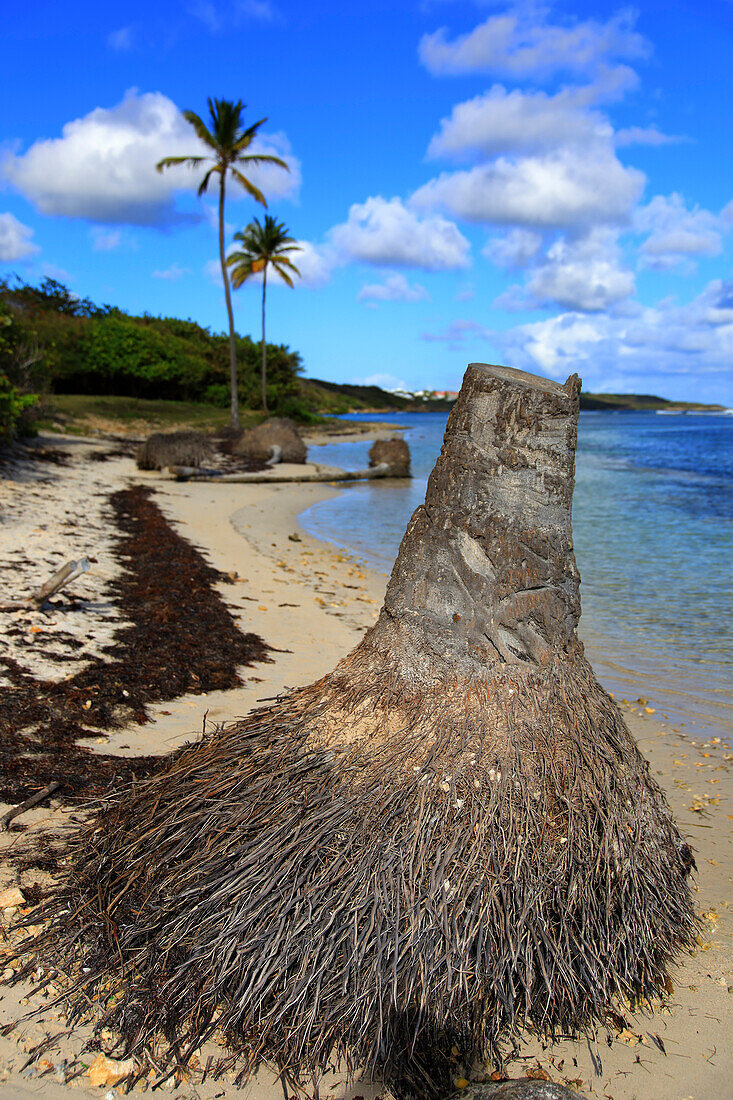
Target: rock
[
  {"x": 522, "y": 1089},
  {"x": 275, "y": 432},
  {"x": 394, "y": 452},
  {"x": 109, "y": 1071},
  {"x": 11, "y": 897}
]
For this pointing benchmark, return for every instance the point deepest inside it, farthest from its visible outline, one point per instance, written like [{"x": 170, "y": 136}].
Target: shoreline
[{"x": 311, "y": 603}]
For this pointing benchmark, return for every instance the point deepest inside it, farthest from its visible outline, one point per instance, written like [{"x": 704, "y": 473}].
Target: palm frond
[
  {"x": 168, "y": 162},
  {"x": 205, "y": 181},
  {"x": 248, "y": 186},
  {"x": 283, "y": 275},
  {"x": 202, "y": 132},
  {"x": 263, "y": 158},
  {"x": 245, "y": 137}
]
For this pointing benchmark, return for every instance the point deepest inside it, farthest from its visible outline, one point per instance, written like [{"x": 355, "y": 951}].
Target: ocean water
[{"x": 653, "y": 533}]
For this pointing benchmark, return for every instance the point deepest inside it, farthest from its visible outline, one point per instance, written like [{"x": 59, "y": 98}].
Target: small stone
[
  {"x": 10, "y": 897},
  {"x": 109, "y": 1071}
]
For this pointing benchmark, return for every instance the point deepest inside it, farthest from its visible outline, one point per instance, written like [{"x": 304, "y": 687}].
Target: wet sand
[{"x": 312, "y": 603}]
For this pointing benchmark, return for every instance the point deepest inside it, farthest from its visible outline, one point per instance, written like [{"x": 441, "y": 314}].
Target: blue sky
[{"x": 547, "y": 186}]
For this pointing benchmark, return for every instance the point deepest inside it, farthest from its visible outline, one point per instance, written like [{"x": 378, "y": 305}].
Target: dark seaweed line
[{"x": 181, "y": 638}]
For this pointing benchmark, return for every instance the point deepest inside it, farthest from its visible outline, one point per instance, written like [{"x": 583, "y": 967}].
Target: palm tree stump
[{"x": 450, "y": 839}]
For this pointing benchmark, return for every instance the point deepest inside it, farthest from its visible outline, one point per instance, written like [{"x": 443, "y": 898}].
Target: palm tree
[
  {"x": 228, "y": 141},
  {"x": 263, "y": 246}
]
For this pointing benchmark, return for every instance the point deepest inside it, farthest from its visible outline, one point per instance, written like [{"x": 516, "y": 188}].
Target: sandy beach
[{"x": 311, "y": 603}]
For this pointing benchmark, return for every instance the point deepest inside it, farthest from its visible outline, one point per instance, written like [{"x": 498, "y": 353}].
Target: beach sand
[{"x": 312, "y": 602}]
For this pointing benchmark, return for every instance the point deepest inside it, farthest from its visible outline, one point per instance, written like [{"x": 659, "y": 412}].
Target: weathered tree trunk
[{"x": 450, "y": 839}]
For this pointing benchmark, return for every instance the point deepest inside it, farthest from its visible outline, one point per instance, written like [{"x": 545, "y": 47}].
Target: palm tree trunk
[
  {"x": 234, "y": 415},
  {"x": 264, "y": 345}
]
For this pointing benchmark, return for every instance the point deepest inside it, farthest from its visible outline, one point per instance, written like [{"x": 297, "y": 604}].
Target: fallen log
[
  {"x": 318, "y": 474},
  {"x": 63, "y": 577},
  {"x": 450, "y": 841},
  {"x": 29, "y": 803}
]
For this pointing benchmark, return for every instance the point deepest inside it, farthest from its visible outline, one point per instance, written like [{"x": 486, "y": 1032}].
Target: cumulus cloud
[
  {"x": 384, "y": 231},
  {"x": 395, "y": 288},
  {"x": 315, "y": 264},
  {"x": 513, "y": 249},
  {"x": 673, "y": 343},
  {"x": 15, "y": 240},
  {"x": 518, "y": 122},
  {"x": 524, "y": 43},
  {"x": 102, "y": 168},
  {"x": 676, "y": 234},
  {"x": 583, "y": 275},
  {"x": 562, "y": 189}
]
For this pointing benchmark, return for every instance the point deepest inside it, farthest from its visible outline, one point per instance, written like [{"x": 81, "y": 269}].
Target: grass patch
[{"x": 85, "y": 414}]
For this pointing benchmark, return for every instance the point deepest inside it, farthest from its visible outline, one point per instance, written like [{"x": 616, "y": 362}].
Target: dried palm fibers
[{"x": 449, "y": 839}]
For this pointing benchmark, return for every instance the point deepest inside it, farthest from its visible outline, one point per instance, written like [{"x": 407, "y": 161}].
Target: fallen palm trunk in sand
[
  {"x": 315, "y": 473},
  {"x": 449, "y": 839}
]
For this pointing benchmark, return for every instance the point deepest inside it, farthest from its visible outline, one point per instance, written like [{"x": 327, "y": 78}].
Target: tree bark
[
  {"x": 233, "y": 385},
  {"x": 486, "y": 573},
  {"x": 264, "y": 345}
]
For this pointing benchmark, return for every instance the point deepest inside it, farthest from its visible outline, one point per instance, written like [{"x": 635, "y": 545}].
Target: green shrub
[{"x": 89, "y": 349}]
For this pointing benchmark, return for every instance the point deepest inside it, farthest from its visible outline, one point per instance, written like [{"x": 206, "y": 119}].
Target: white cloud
[
  {"x": 217, "y": 17},
  {"x": 676, "y": 234},
  {"x": 315, "y": 264},
  {"x": 515, "y": 248},
  {"x": 584, "y": 274},
  {"x": 176, "y": 272},
  {"x": 121, "y": 39},
  {"x": 102, "y": 168},
  {"x": 384, "y": 231},
  {"x": 105, "y": 240},
  {"x": 644, "y": 135},
  {"x": 522, "y": 43},
  {"x": 518, "y": 122},
  {"x": 395, "y": 288},
  {"x": 565, "y": 188},
  {"x": 15, "y": 240},
  {"x": 666, "y": 348}
]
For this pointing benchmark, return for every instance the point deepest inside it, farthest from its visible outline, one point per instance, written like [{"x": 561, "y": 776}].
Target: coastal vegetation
[
  {"x": 228, "y": 141},
  {"x": 263, "y": 245},
  {"x": 84, "y": 348}
]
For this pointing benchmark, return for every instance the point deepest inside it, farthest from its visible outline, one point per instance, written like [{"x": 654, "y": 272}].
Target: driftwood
[
  {"x": 450, "y": 841},
  {"x": 63, "y": 577},
  {"x": 29, "y": 803},
  {"x": 189, "y": 473}
]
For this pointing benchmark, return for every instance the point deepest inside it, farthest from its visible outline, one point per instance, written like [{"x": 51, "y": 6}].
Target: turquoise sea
[{"x": 653, "y": 531}]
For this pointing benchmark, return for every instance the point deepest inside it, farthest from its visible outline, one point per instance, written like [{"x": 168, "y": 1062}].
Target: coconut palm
[
  {"x": 263, "y": 246},
  {"x": 228, "y": 141}
]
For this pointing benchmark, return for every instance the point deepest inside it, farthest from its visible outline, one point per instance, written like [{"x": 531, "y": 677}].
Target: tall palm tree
[
  {"x": 263, "y": 246},
  {"x": 228, "y": 141}
]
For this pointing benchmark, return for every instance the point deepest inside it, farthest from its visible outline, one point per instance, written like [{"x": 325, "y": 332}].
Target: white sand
[{"x": 312, "y": 603}]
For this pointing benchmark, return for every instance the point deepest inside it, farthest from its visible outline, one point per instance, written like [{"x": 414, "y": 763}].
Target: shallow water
[{"x": 653, "y": 531}]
